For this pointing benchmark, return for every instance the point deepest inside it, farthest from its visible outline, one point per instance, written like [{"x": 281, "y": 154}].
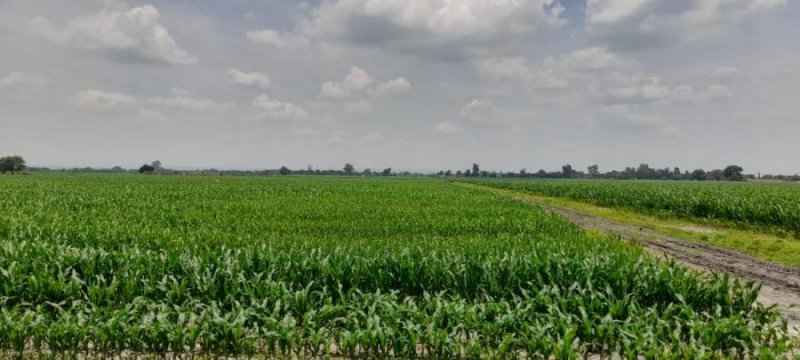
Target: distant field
[
  {"x": 772, "y": 207},
  {"x": 299, "y": 266}
]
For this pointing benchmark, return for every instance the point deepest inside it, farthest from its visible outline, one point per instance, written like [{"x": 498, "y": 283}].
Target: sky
[{"x": 407, "y": 84}]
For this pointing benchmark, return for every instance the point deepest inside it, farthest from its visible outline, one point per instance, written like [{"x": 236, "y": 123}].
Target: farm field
[
  {"x": 100, "y": 265},
  {"x": 771, "y": 207}
]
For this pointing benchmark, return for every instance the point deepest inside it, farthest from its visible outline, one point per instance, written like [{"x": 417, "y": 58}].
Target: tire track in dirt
[{"x": 780, "y": 284}]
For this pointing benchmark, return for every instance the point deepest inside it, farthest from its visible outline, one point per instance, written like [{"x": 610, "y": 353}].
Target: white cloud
[
  {"x": 351, "y": 91},
  {"x": 17, "y": 81},
  {"x": 100, "y": 100},
  {"x": 717, "y": 92},
  {"x": 194, "y": 104},
  {"x": 651, "y": 23},
  {"x": 249, "y": 79},
  {"x": 481, "y": 112},
  {"x": 133, "y": 35},
  {"x": 424, "y": 28},
  {"x": 644, "y": 90},
  {"x": 593, "y": 58},
  {"x": 268, "y": 108},
  {"x": 395, "y": 86},
  {"x": 520, "y": 70},
  {"x": 357, "y": 79},
  {"x": 282, "y": 40},
  {"x": 447, "y": 128},
  {"x": 358, "y": 107}
]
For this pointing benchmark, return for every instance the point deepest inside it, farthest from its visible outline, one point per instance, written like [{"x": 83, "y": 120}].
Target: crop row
[
  {"x": 296, "y": 267},
  {"x": 773, "y": 207}
]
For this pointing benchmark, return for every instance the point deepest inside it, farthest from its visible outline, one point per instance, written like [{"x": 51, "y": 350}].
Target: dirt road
[{"x": 780, "y": 284}]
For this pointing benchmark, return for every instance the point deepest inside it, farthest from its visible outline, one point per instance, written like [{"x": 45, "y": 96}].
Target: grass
[
  {"x": 762, "y": 245},
  {"x": 764, "y": 207},
  {"x": 106, "y": 265}
]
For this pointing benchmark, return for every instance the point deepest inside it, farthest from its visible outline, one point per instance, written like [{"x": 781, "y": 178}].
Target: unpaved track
[{"x": 780, "y": 284}]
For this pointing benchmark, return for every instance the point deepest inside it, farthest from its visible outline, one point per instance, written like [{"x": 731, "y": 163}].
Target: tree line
[
  {"x": 642, "y": 172},
  {"x": 14, "y": 164}
]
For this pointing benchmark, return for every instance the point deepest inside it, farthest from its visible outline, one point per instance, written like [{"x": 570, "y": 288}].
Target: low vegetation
[
  {"x": 763, "y": 206},
  {"x": 304, "y": 266}
]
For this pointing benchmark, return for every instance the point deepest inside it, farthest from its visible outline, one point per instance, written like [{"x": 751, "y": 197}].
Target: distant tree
[
  {"x": 476, "y": 170},
  {"x": 699, "y": 174},
  {"x": 284, "y": 170},
  {"x": 117, "y": 169},
  {"x": 12, "y": 164},
  {"x": 567, "y": 171},
  {"x": 448, "y": 173},
  {"x": 367, "y": 171},
  {"x": 156, "y": 165},
  {"x": 715, "y": 174},
  {"x": 147, "y": 169},
  {"x": 458, "y": 173},
  {"x": 348, "y": 168},
  {"x": 523, "y": 172},
  {"x": 594, "y": 171},
  {"x": 733, "y": 173},
  {"x": 387, "y": 171},
  {"x": 645, "y": 172},
  {"x": 468, "y": 173}
]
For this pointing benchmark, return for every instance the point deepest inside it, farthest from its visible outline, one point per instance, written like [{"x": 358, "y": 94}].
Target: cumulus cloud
[
  {"x": 717, "y": 92},
  {"x": 193, "y": 104},
  {"x": 267, "y": 108},
  {"x": 133, "y": 35},
  {"x": 357, "y": 79},
  {"x": 644, "y": 90},
  {"x": 519, "y": 69},
  {"x": 18, "y": 81},
  {"x": 249, "y": 79},
  {"x": 423, "y": 28},
  {"x": 650, "y": 23},
  {"x": 394, "y": 87},
  {"x": 483, "y": 112},
  {"x": 282, "y": 40},
  {"x": 447, "y": 128},
  {"x": 351, "y": 91},
  {"x": 100, "y": 100}
]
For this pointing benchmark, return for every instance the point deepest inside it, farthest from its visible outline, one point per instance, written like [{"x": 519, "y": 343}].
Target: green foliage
[
  {"x": 769, "y": 207},
  {"x": 12, "y": 164},
  {"x": 352, "y": 267}
]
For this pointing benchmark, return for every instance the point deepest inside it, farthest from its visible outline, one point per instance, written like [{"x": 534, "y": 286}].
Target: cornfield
[
  {"x": 771, "y": 207},
  {"x": 109, "y": 265}
]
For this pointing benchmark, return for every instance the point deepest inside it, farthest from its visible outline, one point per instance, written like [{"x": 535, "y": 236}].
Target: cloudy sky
[{"x": 411, "y": 84}]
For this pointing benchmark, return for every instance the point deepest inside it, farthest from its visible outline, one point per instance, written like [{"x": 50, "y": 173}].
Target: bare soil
[{"x": 780, "y": 284}]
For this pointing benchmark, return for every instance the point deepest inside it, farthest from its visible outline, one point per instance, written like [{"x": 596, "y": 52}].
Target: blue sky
[{"x": 408, "y": 84}]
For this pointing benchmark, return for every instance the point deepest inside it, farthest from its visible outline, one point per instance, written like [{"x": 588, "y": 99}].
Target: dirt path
[{"x": 780, "y": 284}]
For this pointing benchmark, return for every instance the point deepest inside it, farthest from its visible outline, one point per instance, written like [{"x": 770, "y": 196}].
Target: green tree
[
  {"x": 146, "y": 169},
  {"x": 284, "y": 170},
  {"x": 476, "y": 170},
  {"x": 733, "y": 173},
  {"x": 348, "y": 169},
  {"x": 594, "y": 170},
  {"x": 387, "y": 171},
  {"x": 12, "y": 164},
  {"x": 567, "y": 171}
]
